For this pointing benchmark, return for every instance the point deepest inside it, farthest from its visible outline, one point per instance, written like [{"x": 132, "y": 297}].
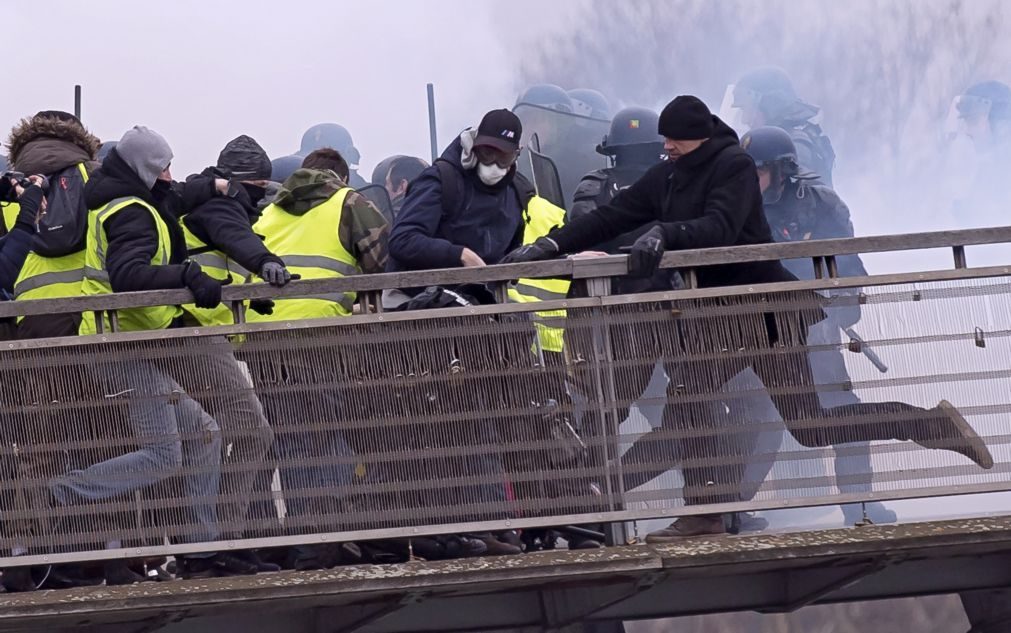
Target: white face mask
[{"x": 491, "y": 174}]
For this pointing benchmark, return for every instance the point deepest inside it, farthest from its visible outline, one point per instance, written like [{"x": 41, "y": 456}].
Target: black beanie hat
[{"x": 686, "y": 118}]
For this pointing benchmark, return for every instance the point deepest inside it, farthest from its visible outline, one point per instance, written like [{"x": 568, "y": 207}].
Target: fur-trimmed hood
[{"x": 64, "y": 143}]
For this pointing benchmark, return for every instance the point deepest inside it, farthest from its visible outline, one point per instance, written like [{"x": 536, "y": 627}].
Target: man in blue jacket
[{"x": 488, "y": 221}]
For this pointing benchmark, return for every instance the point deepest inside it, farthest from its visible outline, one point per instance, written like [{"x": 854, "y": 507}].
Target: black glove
[
  {"x": 206, "y": 289},
  {"x": 275, "y": 274},
  {"x": 543, "y": 248},
  {"x": 261, "y": 306},
  {"x": 647, "y": 251}
]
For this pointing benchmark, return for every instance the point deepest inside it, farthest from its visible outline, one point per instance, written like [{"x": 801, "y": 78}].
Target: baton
[{"x": 866, "y": 350}]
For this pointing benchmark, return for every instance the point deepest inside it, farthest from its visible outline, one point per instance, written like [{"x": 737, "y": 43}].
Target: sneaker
[
  {"x": 689, "y": 526},
  {"x": 497, "y": 547},
  {"x": 956, "y": 435}
]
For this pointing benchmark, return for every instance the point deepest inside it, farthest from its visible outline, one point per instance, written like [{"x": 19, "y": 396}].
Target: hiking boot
[
  {"x": 953, "y": 433},
  {"x": 497, "y": 547},
  {"x": 253, "y": 558},
  {"x": 118, "y": 572},
  {"x": 18, "y": 579},
  {"x": 689, "y": 526}
]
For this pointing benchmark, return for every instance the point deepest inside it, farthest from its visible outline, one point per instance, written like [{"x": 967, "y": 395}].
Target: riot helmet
[
  {"x": 772, "y": 148},
  {"x": 591, "y": 103},
  {"x": 547, "y": 96},
  {"x": 333, "y": 136}
]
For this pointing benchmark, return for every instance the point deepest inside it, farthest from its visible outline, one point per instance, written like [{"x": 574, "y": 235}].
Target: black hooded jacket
[
  {"x": 708, "y": 198},
  {"x": 131, "y": 232},
  {"x": 226, "y": 224}
]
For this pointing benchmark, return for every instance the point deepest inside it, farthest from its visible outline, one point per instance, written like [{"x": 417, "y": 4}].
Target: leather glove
[
  {"x": 543, "y": 248},
  {"x": 275, "y": 274},
  {"x": 647, "y": 251},
  {"x": 261, "y": 306},
  {"x": 206, "y": 289}
]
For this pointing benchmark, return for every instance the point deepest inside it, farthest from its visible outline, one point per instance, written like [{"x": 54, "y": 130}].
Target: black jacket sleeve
[
  {"x": 133, "y": 242},
  {"x": 224, "y": 224},
  {"x": 725, "y": 212},
  {"x": 631, "y": 208}
]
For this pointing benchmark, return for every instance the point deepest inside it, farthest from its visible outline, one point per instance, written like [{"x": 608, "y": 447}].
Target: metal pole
[
  {"x": 77, "y": 101},
  {"x": 431, "y": 122}
]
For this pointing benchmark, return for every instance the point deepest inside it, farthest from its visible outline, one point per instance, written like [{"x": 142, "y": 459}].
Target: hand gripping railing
[{"x": 394, "y": 425}]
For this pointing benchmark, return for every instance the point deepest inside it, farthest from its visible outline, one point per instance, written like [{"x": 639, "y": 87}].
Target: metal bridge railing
[{"x": 392, "y": 425}]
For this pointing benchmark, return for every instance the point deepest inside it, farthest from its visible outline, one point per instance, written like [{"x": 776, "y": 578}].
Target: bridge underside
[{"x": 552, "y": 590}]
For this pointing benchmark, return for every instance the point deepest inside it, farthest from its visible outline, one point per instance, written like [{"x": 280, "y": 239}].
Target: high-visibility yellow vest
[
  {"x": 96, "y": 273},
  {"x": 50, "y": 277},
  {"x": 10, "y": 213},
  {"x": 217, "y": 265},
  {"x": 310, "y": 246},
  {"x": 539, "y": 218}
]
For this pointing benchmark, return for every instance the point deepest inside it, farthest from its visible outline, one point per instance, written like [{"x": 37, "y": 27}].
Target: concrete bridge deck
[{"x": 551, "y": 591}]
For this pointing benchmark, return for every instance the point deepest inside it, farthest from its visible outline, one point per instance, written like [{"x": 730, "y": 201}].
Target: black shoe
[
  {"x": 70, "y": 576},
  {"x": 18, "y": 579},
  {"x": 463, "y": 546},
  {"x": 496, "y": 547},
  {"x": 220, "y": 565},
  {"x": 307, "y": 558},
  {"x": 253, "y": 558},
  {"x": 118, "y": 572},
  {"x": 582, "y": 542},
  {"x": 428, "y": 548}
]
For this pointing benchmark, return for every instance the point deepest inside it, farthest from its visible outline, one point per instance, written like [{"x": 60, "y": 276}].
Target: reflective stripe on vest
[
  {"x": 96, "y": 275},
  {"x": 310, "y": 246},
  {"x": 219, "y": 266},
  {"x": 50, "y": 277},
  {"x": 539, "y": 218}
]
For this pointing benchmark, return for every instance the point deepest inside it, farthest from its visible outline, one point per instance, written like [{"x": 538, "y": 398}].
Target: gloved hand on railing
[
  {"x": 647, "y": 251},
  {"x": 261, "y": 306},
  {"x": 543, "y": 248},
  {"x": 206, "y": 289},
  {"x": 275, "y": 274}
]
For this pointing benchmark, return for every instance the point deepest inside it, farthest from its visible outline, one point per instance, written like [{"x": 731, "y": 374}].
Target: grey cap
[
  {"x": 146, "y": 152},
  {"x": 244, "y": 159}
]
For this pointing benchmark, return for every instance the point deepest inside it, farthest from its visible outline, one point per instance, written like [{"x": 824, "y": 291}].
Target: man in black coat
[{"x": 708, "y": 195}]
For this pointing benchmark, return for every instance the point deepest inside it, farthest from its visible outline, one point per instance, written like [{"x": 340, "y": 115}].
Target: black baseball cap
[{"x": 500, "y": 129}]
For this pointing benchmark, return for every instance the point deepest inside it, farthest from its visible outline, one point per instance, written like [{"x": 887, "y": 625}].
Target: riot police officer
[
  {"x": 765, "y": 96},
  {"x": 798, "y": 206}
]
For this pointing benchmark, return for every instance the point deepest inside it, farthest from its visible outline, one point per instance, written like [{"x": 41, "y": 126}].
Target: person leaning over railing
[
  {"x": 219, "y": 237},
  {"x": 134, "y": 243},
  {"x": 708, "y": 195},
  {"x": 321, "y": 229}
]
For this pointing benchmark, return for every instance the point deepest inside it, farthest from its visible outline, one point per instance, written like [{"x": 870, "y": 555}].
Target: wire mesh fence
[{"x": 370, "y": 427}]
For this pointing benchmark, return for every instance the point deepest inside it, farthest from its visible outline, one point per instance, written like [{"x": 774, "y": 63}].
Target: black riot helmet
[
  {"x": 547, "y": 96},
  {"x": 589, "y": 102},
  {"x": 769, "y": 146},
  {"x": 992, "y": 98},
  {"x": 631, "y": 126}
]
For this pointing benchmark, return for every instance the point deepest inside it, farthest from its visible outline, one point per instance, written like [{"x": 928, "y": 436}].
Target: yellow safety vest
[
  {"x": 50, "y": 277},
  {"x": 310, "y": 246},
  {"x": 10, "y": 211},
  {"x": 217, "y": 265},
  {"x": 96, "y": 273},
  {"x": 539, "y": 218}
]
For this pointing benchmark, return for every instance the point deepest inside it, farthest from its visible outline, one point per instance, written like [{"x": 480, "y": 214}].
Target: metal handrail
[{"x": 575, "y": 268}]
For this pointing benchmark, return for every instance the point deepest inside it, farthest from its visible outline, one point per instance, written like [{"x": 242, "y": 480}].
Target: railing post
[
  {"x": 959, "y": 253},
  {"x": 614, "y": 533}
]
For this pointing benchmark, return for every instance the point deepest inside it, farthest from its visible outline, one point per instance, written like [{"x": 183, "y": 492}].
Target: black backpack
[
  {"x": 62, "y": 229},
  {"x": 452, "y": 185}
]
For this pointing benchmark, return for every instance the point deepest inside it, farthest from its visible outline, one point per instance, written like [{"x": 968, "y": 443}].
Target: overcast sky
[{"x": 202, "y": 72}]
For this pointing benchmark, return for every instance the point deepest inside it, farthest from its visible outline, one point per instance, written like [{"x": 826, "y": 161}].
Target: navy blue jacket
[
  {"x": 15, "y": 245},
  {"x": 488, "y": 221}
]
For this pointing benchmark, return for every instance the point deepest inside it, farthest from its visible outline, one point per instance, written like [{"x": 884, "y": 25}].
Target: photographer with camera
[{"x": 29, "y": 195}]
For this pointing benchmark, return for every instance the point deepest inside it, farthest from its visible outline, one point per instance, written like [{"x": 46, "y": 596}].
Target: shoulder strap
[{"x": 450, "y": 179}]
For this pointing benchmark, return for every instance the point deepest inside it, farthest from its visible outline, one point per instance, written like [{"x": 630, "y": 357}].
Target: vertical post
[
  {"x": 77, "y": 101},
  {"x": 433, "y": 136},
  {"x": 959, "y": 253}
]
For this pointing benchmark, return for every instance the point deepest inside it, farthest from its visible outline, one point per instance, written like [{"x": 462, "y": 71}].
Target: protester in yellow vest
[
  {"x": 322, "y": 229},
  {"x": 134, "y": 243},
  {"x": 219, "y": 234}
]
